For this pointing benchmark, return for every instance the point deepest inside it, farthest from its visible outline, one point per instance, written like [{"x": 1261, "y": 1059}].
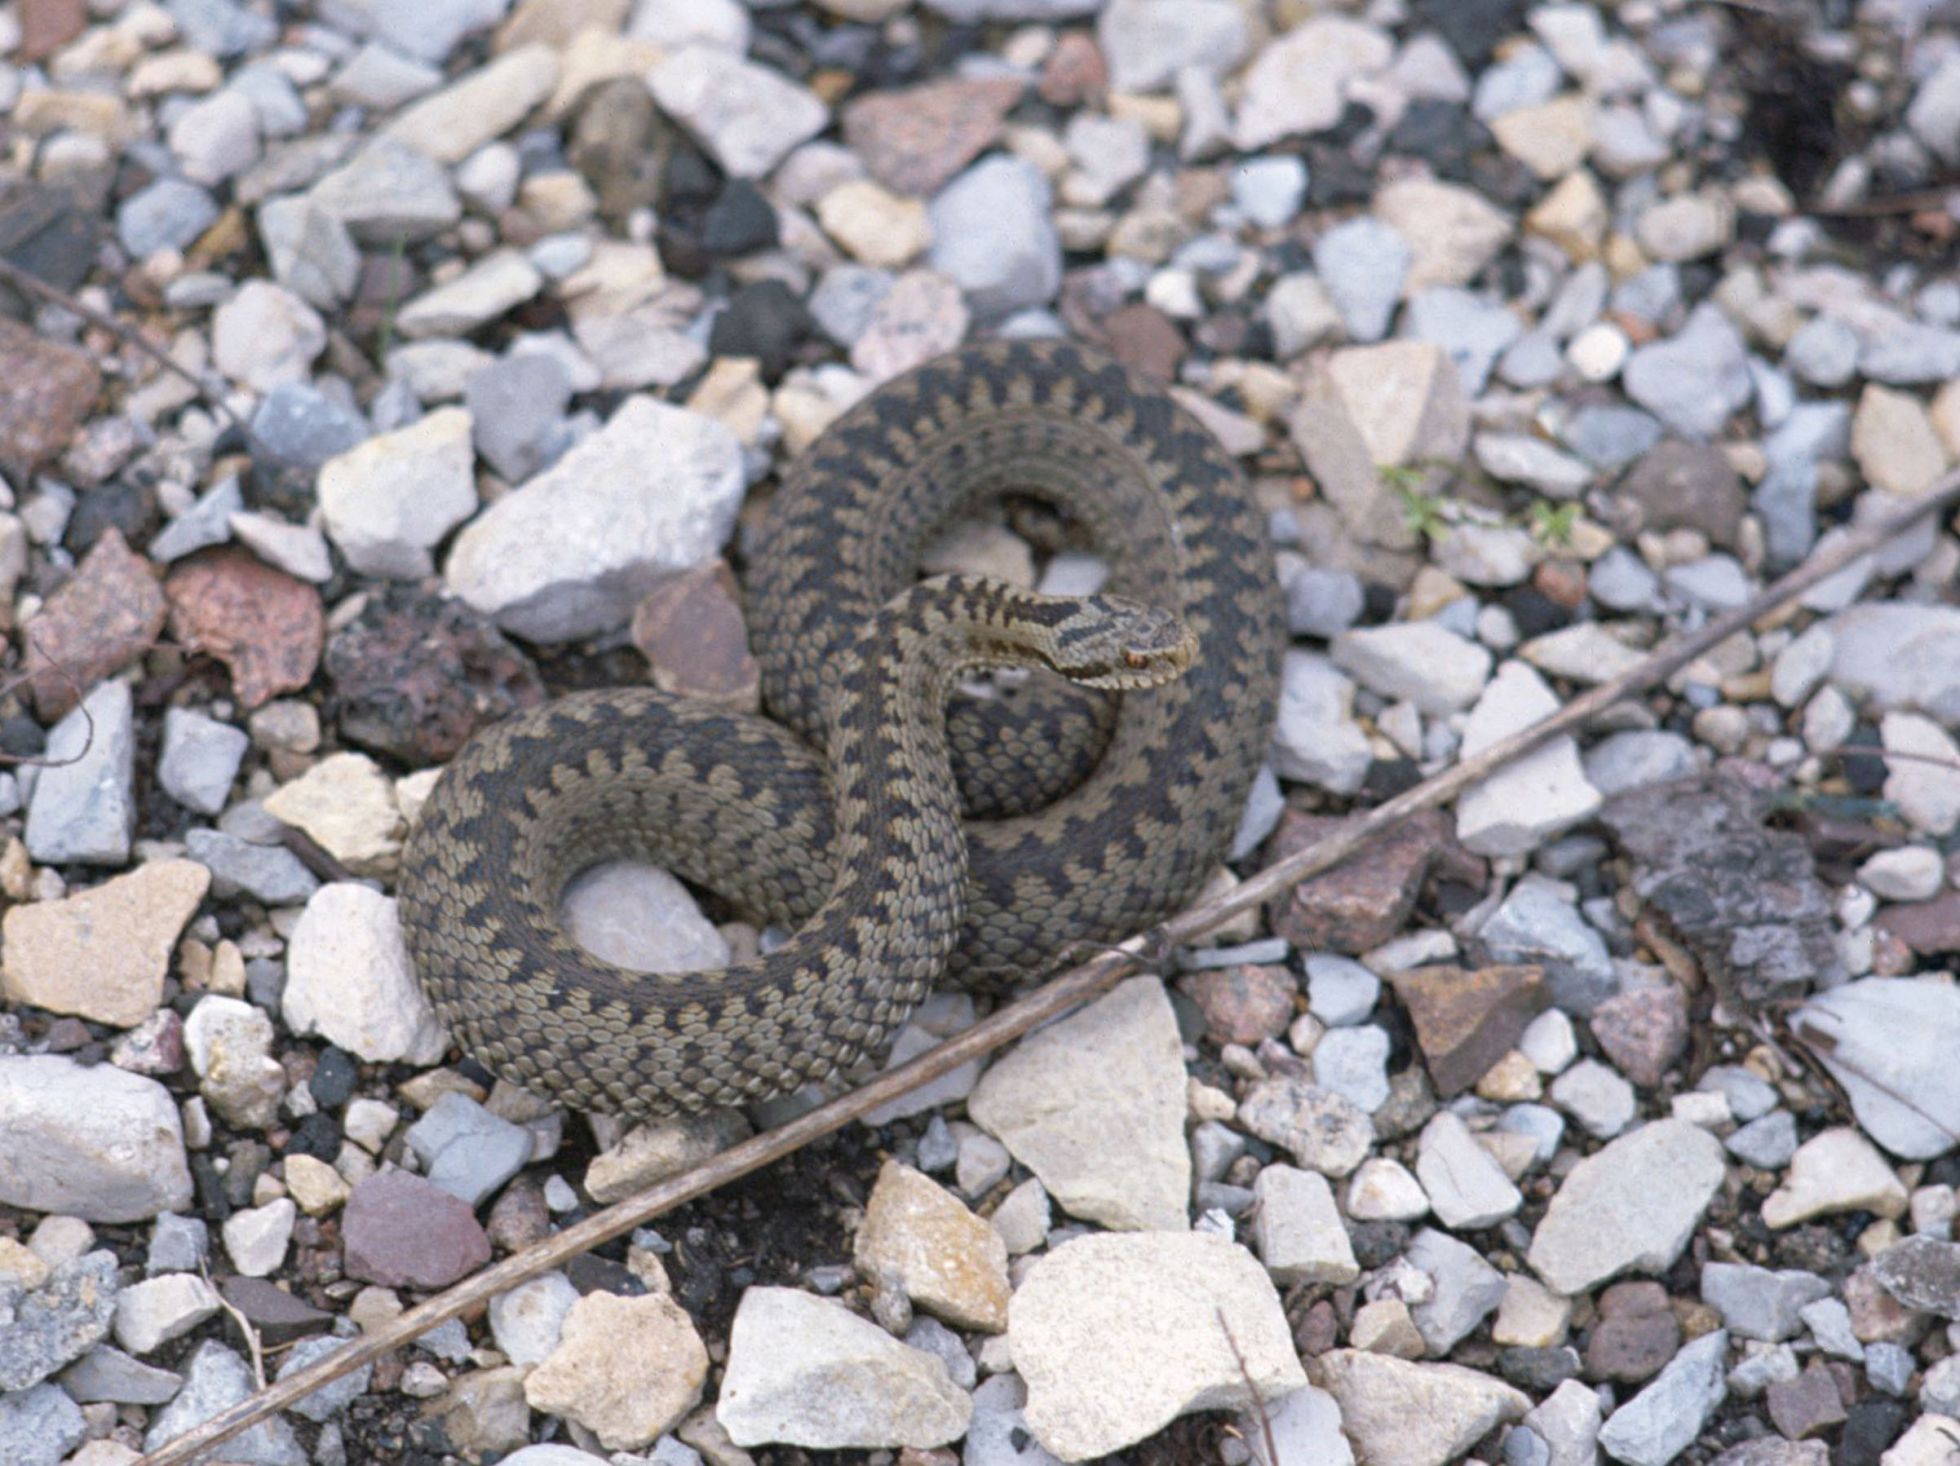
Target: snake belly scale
[{"x": 749, "y": 808}]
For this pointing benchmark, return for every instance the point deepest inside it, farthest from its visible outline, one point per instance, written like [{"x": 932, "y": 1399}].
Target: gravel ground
[{"x": 1611, "y": 1111}]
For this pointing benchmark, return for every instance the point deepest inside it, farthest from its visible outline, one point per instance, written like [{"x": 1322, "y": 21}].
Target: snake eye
[{"x": 1136, "y": 659}]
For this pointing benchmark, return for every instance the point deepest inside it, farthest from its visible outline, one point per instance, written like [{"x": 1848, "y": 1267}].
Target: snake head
[{"x": 1116, "y": 643}]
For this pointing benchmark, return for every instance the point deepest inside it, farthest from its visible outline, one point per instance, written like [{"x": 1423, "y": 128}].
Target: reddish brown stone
[
  {"x": 264, "y": 625},
  {"x": 519, "y": 1218},
  {"x": 915, "y": 140},
  {"x": 1643, "y": 1031},
  {"x": 689, "y": 627},
  {"x": 1144, "y": 339},
  {"x": 1636, "y": 1335},
  {"x": 48, "y": 25},
  {"x": 1075, "y": 73},
  {"x": 45, "y": 391},
  {"x": 1243, "y": 1004},
  {"x": 415, "y": 673},
  {"x": 1467, "y": 1020},
  {"x": 108, "y": 613},
  {"x": 1366, "y": 899},
  {"x": 402, "y": 1231},
  {"x": 1927, "y": 927},
  {"x": 1806, "y": 1406}
]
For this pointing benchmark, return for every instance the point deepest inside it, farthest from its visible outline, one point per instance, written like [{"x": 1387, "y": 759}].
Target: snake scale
[{"x": 862, "y": 847}]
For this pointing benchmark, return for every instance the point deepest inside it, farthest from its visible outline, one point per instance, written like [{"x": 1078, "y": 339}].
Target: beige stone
[
  {"x": 102, "y": 954},
  {"x": 627, "y": 1369},
  {"x": 347, "y": 806},
  {"x": 1897, "y": 445},
  {"x": 1452, "y": 231},
  {"x": 489, "y": 102},
  {"x": 874, "y": 224},
  {"x": 948, "y": 1261},
  {"x": 315, "y": 1185},
  {"x": 1551, "y": 138}
]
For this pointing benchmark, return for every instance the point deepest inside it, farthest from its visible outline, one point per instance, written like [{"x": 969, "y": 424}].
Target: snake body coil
[{"x": 864, "y": 852}]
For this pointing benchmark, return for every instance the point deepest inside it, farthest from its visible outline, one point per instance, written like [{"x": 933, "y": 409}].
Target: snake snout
[{"x": 1137, "y": 646}]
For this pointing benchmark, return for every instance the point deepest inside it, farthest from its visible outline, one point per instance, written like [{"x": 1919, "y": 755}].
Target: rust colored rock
[
  {"x": 1075, "y": 71},
  {"x": 915, "y": 140},
  {"x": 1366, "y": 899},
  {"x": 1144, "y": 338},
  {"x": 108, "y": 614},
  {"x": 1643, "y": 1031},
  {"x": 404, "y": 1232},
  {"x": 263, "y": 624},
  {"x": 689, "y": 627},
  {"x": 46, "y": 389},
  {"x": 1243, "y": 1004},
  {"x": 1466, "y": 1020},
  {"x": 414, "y": 674}
]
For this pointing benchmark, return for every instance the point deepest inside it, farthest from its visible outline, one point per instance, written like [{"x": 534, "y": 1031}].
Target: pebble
[
  {"x": 1466, "y": 1187},
  {"x": 491, "y": 287},
  {"x": 229, "y": 1043},
  {"x": 466, "y": 1150},
  {"x": 1298, "y": 82},
  {"x": 1836, "y": 1170},
  {"x": 1363, "y": 263},
  {"x": 329, "y": 1400},
  {"x": 806, "y": 1371},
  {"x": 54, "y": 1314},
  {"x": 1591, "y": 1232},
  {"x": 1317, "y": 740},
  {"x": 1888, "y": 1044},
  {"x": 1298, "y": 1230},
  {"x": 151, "y": 1313},
  {"x": 97, "y": 1143},
  {"x": 169, "y": 214},
  {"x": 1094, "y": 1105},
  {"x": 345, "y": 804},
  {"x": 83, "y": 806},
  {"x": 1695, "y": 379},
  {"x": 1353, "y": 1063},
  {"x": 268, "y": 873},
  {"x": 1401, "y": 1413},
  {"x": 626, "y": 1369},
  {"x": 199, "y": 759},
  {"x": 917, "y": 1237},
  {"x": 747, "y": 116},
  {"x": 266, "y": 336},
  {"x": 1322, "y": 1130},
  {"x": 256, "y": 1239},
  {"x": 1531, "y": 799},
  {"x": 215, "y": 1379},
  {"x": 573, "y": 551},
  {"x": 1437, "y": 670},
  {"x": 104, "y": 952},
  {"x": 451, "y": 124},
  {"x": 1661, "y": 1421},
  {"x": 349, "y": 979},
  {"x": 1117, "y": 1334},
  {"x": 1148, "y": 42},
  {"x": 1758, "y": 1303},
  {"x": 40, "y": 1426},
  {"x": 388, "y": 501},
  {"x": 992, "y": 236},
  {"x": 389, "y": 190},
  {"x": 402, "y": 1231}
]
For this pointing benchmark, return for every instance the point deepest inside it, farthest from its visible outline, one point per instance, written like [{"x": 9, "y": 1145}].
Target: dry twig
[{"x": 1051, "y": 1000}]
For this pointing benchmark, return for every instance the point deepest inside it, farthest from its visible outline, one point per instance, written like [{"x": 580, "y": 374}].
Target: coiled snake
[{"x": 863, "y": 851}]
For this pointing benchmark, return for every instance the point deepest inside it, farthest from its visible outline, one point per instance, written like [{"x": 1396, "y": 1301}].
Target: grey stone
[
  {"x": 992, "y": 236},
  {"x": 39, "y": 1426},
  {"x": 200, "y": 759},
  {"x": 1353, "y": 1063},
  {"x": 517, "y": 408},
  {"x": 1537, "y": 924},
  {"x": 43, "y": 1328},
  {"x": 177, "y": 1245},
  {"x": 1758, "y": 1303},
  {"x": 329, "y": 1400},
  {"x": 222, "y": 28},
  {"x": 205, "y": 523},
  {"x": 1910, "y": 353},
  {"x": 1316, "y": 739},
  {"x": 101, "y": 1144},
  {"x": 1340, "y": 991},
  {"x": 1693, "y": 380},
  {"x": 465, "y": 1149},
  {"x": 310, "y": 249},
  {"x": 1629, "y": 1207},
  {"x": 1609, "y": 436},
  {"x": 169, "y": 214},
  {"x": 1899, "y": 656},
  {"x": 1147, "y": 42},
  {"x": 1621, "y": 581},
  {"x": 1637, "y": 757},
  {"x": 1664, "y": 1419},
  {"x": 216, "y": 1379},
  {"x": 389, "y": 191},
  {"x": 1362, "y": 262},
  {"x": 106, "y": 1373},
  {"x": 1468, "y": 1289},
  {"x": 845, "y": 299},
  {"x": 1767, "y": 1143},
  {"x": 1890, "y": 1042},
  {"x": 1474, "y": 331},
  {"x": 268, "y": 873},
  {"x": 83, "y": 808}
]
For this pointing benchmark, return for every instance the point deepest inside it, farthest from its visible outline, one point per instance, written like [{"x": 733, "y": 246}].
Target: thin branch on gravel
[
  {"x": 231, "y": 1310},
  {"x": 1258, "y": 1400},
  {"x": 34, "y": 285},
  {"x": 1047, "y": 1002},
  {"x": 24, "y": 760}
]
